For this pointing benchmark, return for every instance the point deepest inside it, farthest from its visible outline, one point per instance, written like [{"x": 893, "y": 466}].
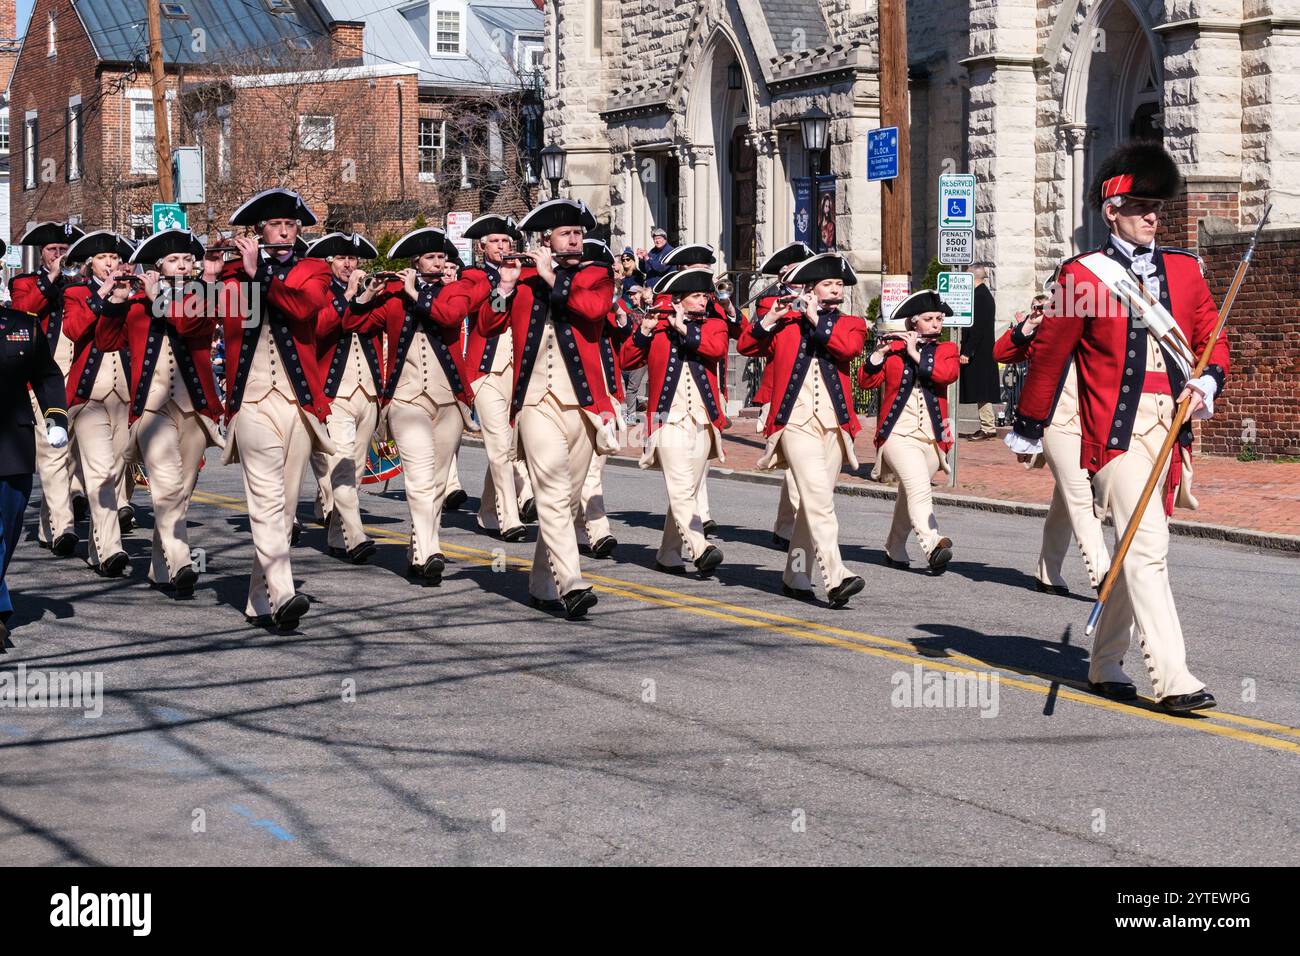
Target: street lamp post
[
  {"x": 553, "y": 163},
  {"x": 814, "y": 125}
]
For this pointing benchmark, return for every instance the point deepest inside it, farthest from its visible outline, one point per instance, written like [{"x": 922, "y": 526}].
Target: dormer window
[{"x": 447, "y": 27}]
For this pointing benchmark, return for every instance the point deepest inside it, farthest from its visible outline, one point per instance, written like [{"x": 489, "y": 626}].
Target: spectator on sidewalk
[
  {"x": 626, "y": 273},
  {"x": 979, "y": 371},
  {"x": 652, "y": 261}
]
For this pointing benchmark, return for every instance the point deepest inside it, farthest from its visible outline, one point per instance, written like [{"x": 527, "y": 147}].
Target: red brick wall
[
  {"x": 1262, "y": 395},
  {"x": 1202, "y": 199}
]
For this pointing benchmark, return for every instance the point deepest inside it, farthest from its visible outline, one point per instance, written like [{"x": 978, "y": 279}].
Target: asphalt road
[{"x": 686, "y": 721}]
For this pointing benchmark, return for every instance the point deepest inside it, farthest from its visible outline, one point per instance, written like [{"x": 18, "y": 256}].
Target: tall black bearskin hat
[{"x": 1142, "y": 169}]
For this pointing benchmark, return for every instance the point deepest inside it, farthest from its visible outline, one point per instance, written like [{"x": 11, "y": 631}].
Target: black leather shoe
[
  {"x": 670, "y": 568},
  {"x": 295, "y": 533},
  {"x": 291, "y": 612},
  {"x": 839, "y": 595},
  {"x": 431, "y": 570},
  {"x": 900, "y": 565},
  {"x": 528, "y": 511},
  {"x": 517, "y": 533},
  {"x": 709, "y": 527},
  {"x": 1114, "y": 690},
  {"x": 1060, "y": 590},
  {"x": 578, "y": 602},
  {"x": 799, "y": 594},
  {"x": 604, "y": 547},
  {"x": 1185, "y": 703},
  {"x": 362, "y": 552},
  {"x": 708, "y": 561},
  {"x": 780, "y": 542},
  {"x": 64, "y": 546},
  {"x": 184, "y": 581},
  {"x": 80, "y": 508},
  {"x": 455, "y": 500},
  {"x": 940, "y": 556},
  {"x": 260, "y": 620},
  {"x": 543, "y": 604},
  {"x": 114, "y": 565},
  {"x": 126, "y": 519}
]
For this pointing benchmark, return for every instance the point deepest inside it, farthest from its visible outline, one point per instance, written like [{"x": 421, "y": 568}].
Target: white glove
[
  {"x": 1023, "y": 446},
  {"x": 1208, "y": 388},
  {"x": 56, "y": 435}
]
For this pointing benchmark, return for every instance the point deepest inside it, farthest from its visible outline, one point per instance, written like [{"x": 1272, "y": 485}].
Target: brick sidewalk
[{"x": 1257, "y": 496}]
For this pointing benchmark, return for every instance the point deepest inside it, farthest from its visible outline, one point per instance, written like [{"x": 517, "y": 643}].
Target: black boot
[
  {"x": 708, "y": 561},
  {"x": 64, "y": 546},
  {"x": 578, "y": 602},
  {"x": 184, "y": 581},
  {"x": 291, "y": 612}
]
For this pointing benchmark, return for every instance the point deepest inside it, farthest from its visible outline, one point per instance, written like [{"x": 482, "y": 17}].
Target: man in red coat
[
  {"x": 275, "y": 401},
  {"x": 685, "y": 414},
  {"x": 353, "y": 374},
  {"x": 811, "y": 424},
  {"x": 560, "y": 405},
  {"x": 175, "y": 410},
  {"x": 1132, "y": 373},
  {"x": 41, "y": 293}
]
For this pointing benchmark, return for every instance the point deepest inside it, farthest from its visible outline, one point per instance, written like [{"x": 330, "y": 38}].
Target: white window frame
[
  {"x": 52, "y": 34},
  {"x": 439, "y": 149},
  {"x": 133, "y": 97},
  {"x": 461, "y": 9},
  {"x": 4, "y": 129},
  {"x": 31, "y": 124},
  {"x": 314, "y": 144},
  {"x": 76, "y": 132},
  {"x": 524, "y": 46},
  {"x": 223, "y": 143}
]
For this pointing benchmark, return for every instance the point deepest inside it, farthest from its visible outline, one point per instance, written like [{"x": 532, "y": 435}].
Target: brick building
[{"x": 300, "y": 94}]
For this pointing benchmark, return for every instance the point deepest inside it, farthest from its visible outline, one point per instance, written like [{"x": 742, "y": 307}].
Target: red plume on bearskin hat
[{"x": 1142, "y": 169}]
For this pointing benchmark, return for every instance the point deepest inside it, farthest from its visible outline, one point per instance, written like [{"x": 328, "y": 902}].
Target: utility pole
[
  {"x": 896, "y": 198},
  {"x": 162, "y": 132}
]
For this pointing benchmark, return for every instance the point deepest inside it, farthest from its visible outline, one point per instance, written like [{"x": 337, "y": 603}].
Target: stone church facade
[{"x": 685, "y": 113}]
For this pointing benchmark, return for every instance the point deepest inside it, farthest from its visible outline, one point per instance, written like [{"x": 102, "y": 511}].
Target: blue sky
[{"x": 24, "y": 11}]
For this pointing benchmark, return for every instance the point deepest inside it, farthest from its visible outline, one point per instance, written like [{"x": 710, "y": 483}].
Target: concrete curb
[{"x": 1190, "y": 529}]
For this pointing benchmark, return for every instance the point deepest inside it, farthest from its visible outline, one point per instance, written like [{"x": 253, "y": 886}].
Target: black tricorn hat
[
  {"x": 593, "y": 250},
  {"x": 555, "y": 213},
  {"x": 342, "y": 244},
  {"x": 828, "y": 265},
  {"x": 94, "y": 243},
  {"x": 786, "y": 255},
  {"x": 685, "y": 282},
  {"x": 920, "y": 302},
  {"x": 1142, "y": 169},
  {"x": 493, "y": 225},
  {"x": 272, "y": 204},
  {"x": 418, "y": 242},
  {"x": 165, "y": 243},
  {"x": 48, "y": 233},
  {"x": 691, "y": 254}
]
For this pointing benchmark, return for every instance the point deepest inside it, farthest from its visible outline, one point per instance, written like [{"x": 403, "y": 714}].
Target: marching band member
[
  {"x": 41, "y": 293},
  {"x": 1128, "y": 380},
  {"x": 27, "y": 366},
  {"x": 779, "y": 264},
  {"x": 561, "y": 407},
  {"x": 1071, "y": 509},
  {"x": 425, "y": 405},
  {"x": 913, "y": 433},
  {"x": 353, "y": 381},
  {"x": 275, "y": 401},
  {"x": 594, "y": 532},
  {"x": 489, "y": 366},
  {"x": 174, "y": 410},
  {"x": 811, "y": 429},
  {"x": 99, "y": 387},
  {"x": 685, "y": 416}
]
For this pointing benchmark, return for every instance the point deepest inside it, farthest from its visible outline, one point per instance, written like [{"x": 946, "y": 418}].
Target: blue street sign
[{"x": 882, "y": 153}]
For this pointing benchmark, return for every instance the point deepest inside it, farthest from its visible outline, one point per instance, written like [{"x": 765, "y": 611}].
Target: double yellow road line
[{"x": 1222, "y": 723}]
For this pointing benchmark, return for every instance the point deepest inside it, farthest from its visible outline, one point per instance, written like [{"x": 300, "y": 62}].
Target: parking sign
[
  {"x": 957, "y": 289},
  {"x": 957, "y": 201}
]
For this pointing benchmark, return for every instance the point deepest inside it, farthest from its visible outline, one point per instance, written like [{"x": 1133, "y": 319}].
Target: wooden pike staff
[{"x": 1118, "y": 562}]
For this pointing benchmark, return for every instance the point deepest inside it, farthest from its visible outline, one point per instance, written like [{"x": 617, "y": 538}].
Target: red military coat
[
  {"x": 94, "y": 326},
  {"x": 939, "y": 367},
  {"x": 480, "y": 349},
  {"x": 334, "y": 343},
  {"x": 1087, "y": 322},
  {"x": 438, "y": 313},
  {"x": 793, "y": 346},
  {"x": 191, "y": 342},
  {"x": 667, "y": 356},
  {"x": 579, "y": 306},
  {"x": 34, "y": 292},
  {"x": 294, "y": 293}
]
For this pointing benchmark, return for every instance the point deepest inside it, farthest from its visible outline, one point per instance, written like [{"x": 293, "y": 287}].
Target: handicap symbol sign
[{"x": 957, "y": 208}]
